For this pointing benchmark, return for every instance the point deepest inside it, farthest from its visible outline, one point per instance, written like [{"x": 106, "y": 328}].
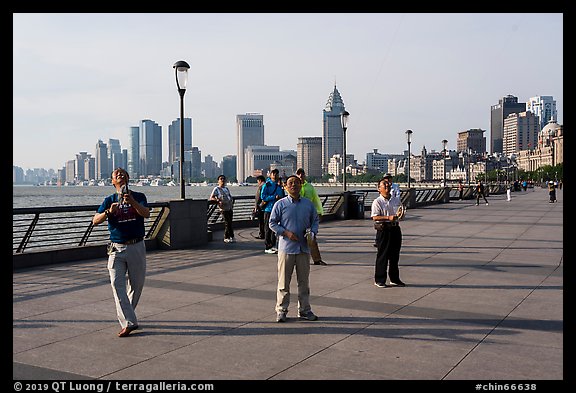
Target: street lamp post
[
  {"x": 444, "y": 143},
  {"x": 344, "y": 119},
  {"x": 469, "y": 164},
  {"x": 181, "y": 70},
  {"x": 408, "y": 139}
]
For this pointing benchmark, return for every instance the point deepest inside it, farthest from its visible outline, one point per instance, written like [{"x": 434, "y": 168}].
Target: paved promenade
[{"x": 483, "y": 302}]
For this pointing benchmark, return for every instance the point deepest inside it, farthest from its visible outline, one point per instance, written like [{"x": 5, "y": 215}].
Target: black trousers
[
  {"x": 480, "y": 194},
  {"x": 270, "y": 235},
  {"x": 261, "y": 227},
  {"x": 227, "y": 215},
  {"x": 389, "y": 242}
]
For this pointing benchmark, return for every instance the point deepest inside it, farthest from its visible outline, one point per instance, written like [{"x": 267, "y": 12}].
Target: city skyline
[{"x": 437, "y": 74}]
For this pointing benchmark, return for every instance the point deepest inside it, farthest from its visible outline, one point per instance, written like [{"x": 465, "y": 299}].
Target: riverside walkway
[{"x": 483, "y": 302}]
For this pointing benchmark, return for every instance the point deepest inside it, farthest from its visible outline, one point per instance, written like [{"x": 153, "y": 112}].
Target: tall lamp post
[
  {"x": 344, "y": 119},
  {"x": 181, "y": 70},
  {"x": 444, "y": 143},
  {"x": 408, "y": 139},
  {"x": 469, "y": 164}
]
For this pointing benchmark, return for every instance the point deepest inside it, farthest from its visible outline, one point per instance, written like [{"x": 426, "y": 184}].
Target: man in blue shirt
[
  {"x": 292, "y": 219},
  {"x": 125, "y": 211}
]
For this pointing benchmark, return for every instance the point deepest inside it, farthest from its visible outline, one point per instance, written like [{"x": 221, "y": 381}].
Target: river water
[{"x": 53, "y": 196}]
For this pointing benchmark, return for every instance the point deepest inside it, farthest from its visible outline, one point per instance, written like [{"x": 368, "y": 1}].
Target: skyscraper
[
  {"x": 250, "y": 132},
  {"x": 309, "y": 155},
  {"x": 544, "y": 107},
  {"x": 498, "y": 113},
  {"x": 114, "y": 154},
  {"x": 101, "y": 161},
  {"x": 150, "y": 148},
  {"x": 229, "y": 166},
  {"x": 332, "y": 132},
  {"x": 134, "y": 152},
  {"x": 174, "y": 139},
  {"x": 520, "y": 132}
]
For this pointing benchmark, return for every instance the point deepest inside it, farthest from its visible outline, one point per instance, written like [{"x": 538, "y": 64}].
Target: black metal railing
[
  {"x": 49, "y": 228},
  {"x": 45, "y": 228}
]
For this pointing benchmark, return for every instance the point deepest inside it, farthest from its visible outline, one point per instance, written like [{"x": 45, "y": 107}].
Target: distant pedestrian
[
  {"x": 258, "y": 211},
  {"x": 552, "y": 191},
  {"x": 271, "y": 192},
  {"x": 309, "y": 192},
  {"x": 291, "y": 219},
  {"x": 125, "y": 211},
  {"x": 460, "y": 190},
  {"x": 508, "y": 192},
  {"x": 386, "y": 212},
  {"x": 221, "y": 195},
  {"x": 480, "y": 193}
]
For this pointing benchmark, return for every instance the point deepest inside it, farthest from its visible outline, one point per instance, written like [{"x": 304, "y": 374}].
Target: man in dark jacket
[
  {"x": 271, "y": 192},
  {"x": 257, "y": 211}
]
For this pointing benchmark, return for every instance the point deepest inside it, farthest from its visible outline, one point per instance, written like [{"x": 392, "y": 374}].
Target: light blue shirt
[{"x": 295, "y": 216}]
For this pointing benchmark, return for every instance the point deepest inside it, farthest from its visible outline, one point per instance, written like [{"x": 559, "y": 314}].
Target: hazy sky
[{"x": 78, "y": 78}]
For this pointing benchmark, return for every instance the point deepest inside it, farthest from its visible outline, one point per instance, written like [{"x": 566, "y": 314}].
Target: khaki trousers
[
  {"x": 286, "y": 264},
  {"x": 127, "y": 269}
]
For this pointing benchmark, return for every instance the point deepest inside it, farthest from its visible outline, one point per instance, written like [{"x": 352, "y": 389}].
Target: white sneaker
[
  {"x": 226, "y": 240},
  {"x": 232, "y": 240},
  {"x": 269, "y": 251},
  {"x": 486, "y": 203}
]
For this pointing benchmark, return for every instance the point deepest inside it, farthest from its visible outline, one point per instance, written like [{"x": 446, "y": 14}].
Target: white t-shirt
[
  {"x": 223, "y": 194},
  {"x": 385, "y": 207}
]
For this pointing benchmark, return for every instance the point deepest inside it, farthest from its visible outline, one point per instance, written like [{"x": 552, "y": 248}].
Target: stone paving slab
[{"x": 483, "y": 302}]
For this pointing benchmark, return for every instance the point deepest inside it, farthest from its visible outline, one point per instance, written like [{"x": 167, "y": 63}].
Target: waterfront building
[
  {"x": 70, "y": 172},
  {"x": 309, "y": 155},
  {"x": 228, "y": 166},
  {"x": 89, "y": 168},
  {"x": 520, "y": 132},
  {"x": 196, "y": 163},
  {"x": 544, "y": 107},
  {"x": 549, "y": 150},
  {"x": 259, "y": 159},
  {"x": 210, "y": 167},
  {"x": 471, "y": 139},
  {"x": 79, "y": 167},
  {"x": 335, "y": 164},
  {"x": 150, "y": 148},
  {"x": 249, "y": 132},
  {"x": 332, "y": 132},
  {"x": 498, "y": 113}
]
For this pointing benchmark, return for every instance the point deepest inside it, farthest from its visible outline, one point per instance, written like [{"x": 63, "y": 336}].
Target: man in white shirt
[{"x": 387, "y": 211}]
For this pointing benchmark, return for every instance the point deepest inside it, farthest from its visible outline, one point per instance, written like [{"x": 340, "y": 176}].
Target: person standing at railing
[
  {"x": 271, "y": 192},
  {"x": 309, "y": 192},
  {"x": 125, "y": 211},
  {"x": 221, "y": 196},
  {"x": 257, "y": 211}
]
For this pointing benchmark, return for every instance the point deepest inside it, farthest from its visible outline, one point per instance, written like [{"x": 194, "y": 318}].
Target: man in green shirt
[{"x": 309, "y": 192}]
